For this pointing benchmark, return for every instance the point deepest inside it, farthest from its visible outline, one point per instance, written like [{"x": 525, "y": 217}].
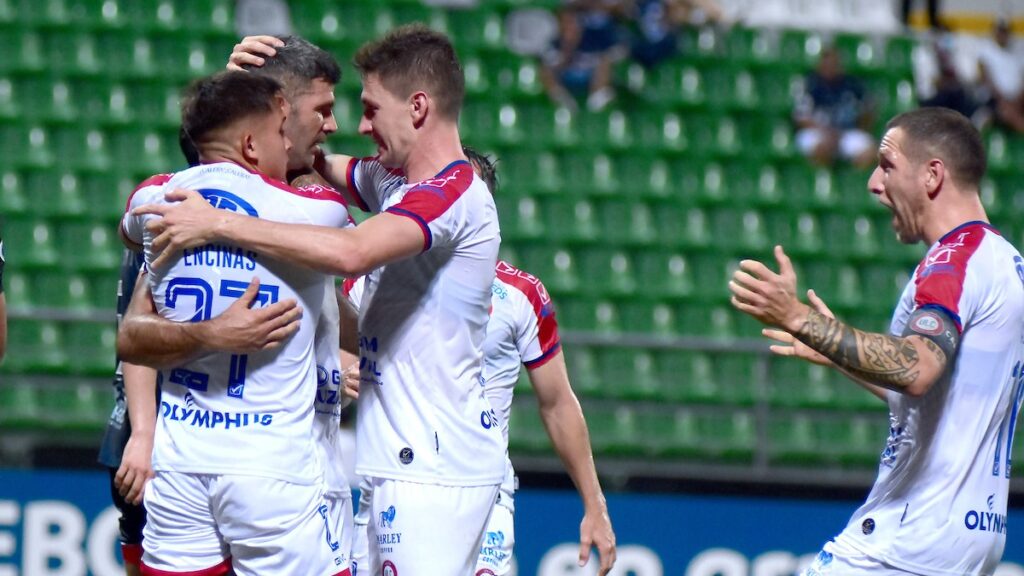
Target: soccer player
[
  {"x": 238, "y": 484},
  {"x": 426, "y": 435},
  {"x": 522, "y": 330},
  {"x": 951, "y": 367}
]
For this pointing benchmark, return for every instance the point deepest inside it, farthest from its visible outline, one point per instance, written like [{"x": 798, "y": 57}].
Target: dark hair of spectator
[
  {"x": 297, "y": 64},
  {"x": 484, "y": 166},
  {"x": 411, "y": 58},
  {"x": 221, "y": 100},
  {"x": 947, "y": 135}
]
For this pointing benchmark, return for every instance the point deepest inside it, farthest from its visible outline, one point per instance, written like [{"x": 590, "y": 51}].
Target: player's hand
[
  {"x": 596, "y": 531},
  {"x": 251, "y": 51},
  {"x": 350, "y": 380},
  {"x": 136, "y": 468},
  {"x": 188, "y": 221},
  {"x": 767, "y": 296},
  {"x": 243, "y": 328},
  {"x": 788, "y": 345}
]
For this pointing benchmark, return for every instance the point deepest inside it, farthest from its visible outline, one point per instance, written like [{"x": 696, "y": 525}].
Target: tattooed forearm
[{"x": 876, "y": 358}]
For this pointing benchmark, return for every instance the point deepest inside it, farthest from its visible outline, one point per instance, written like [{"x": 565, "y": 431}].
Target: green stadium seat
[
  {"x": 614, "y": 429},
  {"x": 800, "y": 49},
  {"x": 60, "y": 290},
  {"x": 660, "y": 131},
  {"x": 10, "y": 107},
  {"x": 147, "y": 151},
  {"x": 899, "y": 53},
  {"x": 646, "y": 176},
  {"x": 652, "y": 317},
  {"x": 12, "y": 194},
  {"x": 26, "y": 146},
  {"x": 587, "y": 174},
  {"x": 590, "y": 315},
  {"x": 74, "y": 53},
  {"x": 861, "y": 55},
  {"x": 584, "y": 374},
  {"x": 664, "y": 274},
  {"x": 35, "y": 346},
  {"x": 17, "y": 289},
  {"x": 529, "y": 434},
  {"x": 86, "y": 148},
  {"x": 91, "y": 347},
  {"x": 63, "y": 197},
  {"x": 627, "y": 221},
  {"x": 103, "y": 290},
  {"x": 699, "y": 434},
  {"x": 30, "y": 243},
  {"x": 798, "y": 384},
  {"x": 627, "y": 373},
  {"x": 546, "y": 176},
  {"x": 715, "y": 322},
  {"x": 477, "y": 29},
  {"x": 75, "y": 408},
  {"x": 24, "y": 50},
  {"x": 609, "y": 273},
  {"x": 792, "y": 439},
  {"x": 606, "y": 131},
  {"x": 19, "y": 409},
  {"x": 106, "y": 194},
  {"x": 570, "y": 220},
  {"x": 210, "y": 16},
  {"x": 91, "y": 247},
  {"x": 129, "y": 54},
  {"x": 556, "y": 267}
]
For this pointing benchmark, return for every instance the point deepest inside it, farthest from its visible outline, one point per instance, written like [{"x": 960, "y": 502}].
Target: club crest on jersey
[
  {"x": 405, "y": 455},
  {"x": 389, "y": 569},
  {"x": 225, "y": 200}
]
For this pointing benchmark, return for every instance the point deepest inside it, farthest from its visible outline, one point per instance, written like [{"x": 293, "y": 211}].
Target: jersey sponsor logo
[
  {"x": 387, "y": 517},
  {"x": 493, "y": 550},
  {"x": 405, "y": 456},
  {"x": 389, "y": 569},
  {"x": 488, "y": 419},
  {"x": 369, "y": 371},
  {"x": 892, "y": 445},
  {"x": 225, "y": 200},
  {"x": 982, "y": 521},
  {"x": 867, "y": 526},
  {"x": 199, "y": 418},
  {"x": 928, "y": 323},
  {"x": 332, "y": 543}
]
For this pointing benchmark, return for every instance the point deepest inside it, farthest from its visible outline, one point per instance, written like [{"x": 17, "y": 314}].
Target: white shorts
[
  {"x": 499, "y": 539},
  {"x": 424, "y": 529},
  {"x": 255, "y": 525},
  {"x": 852, "y": 143},
  {"x": 837, "y": 560},
  {"x": 341, "y": 527},
  {"x": 360, "y": 545}
]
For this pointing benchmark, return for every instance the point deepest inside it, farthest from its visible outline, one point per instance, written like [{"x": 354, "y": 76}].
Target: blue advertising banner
[{"x": 61, "y": 524}]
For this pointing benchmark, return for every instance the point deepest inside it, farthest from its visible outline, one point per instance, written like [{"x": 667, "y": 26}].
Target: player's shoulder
[
  {"x": 957, "y": 249},
  {"x": 522, "y": 282},
  {"x": 452, "y": 181},
  {"x": 147, "y": 190},
  {"x": 315, "y": 191}
]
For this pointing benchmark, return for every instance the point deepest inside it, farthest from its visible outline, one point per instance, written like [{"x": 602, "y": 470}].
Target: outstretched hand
[
  {"x": 136, "y": 468},
  {"x": 251, "y": 50},
  {"x": 186, "y": 222},
  {"x": 788, "y": 345},
  {"x": 767, "y": 296}
]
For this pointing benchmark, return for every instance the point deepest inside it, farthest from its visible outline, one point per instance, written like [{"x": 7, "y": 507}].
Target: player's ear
[
  {"x": 419, "y": 105},
  {"x": 250, "y": 149},
  {"x": 934, "y": 177}
]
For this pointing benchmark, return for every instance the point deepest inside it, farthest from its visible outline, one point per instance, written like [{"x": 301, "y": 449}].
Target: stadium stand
[{"x": 634, "y": 217}]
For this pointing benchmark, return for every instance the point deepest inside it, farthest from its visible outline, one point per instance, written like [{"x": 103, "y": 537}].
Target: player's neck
[
  {"x": 433, "y": 151},
  {"x": 215, "y": 152},
  {"x": 966, "y": 209}
]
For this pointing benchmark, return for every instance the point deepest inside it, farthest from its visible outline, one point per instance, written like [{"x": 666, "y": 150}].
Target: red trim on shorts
[
  {"x": 221, "y": 569},
  {"x": 345, "y": 572},
  {"x": 132, "y": 553}
]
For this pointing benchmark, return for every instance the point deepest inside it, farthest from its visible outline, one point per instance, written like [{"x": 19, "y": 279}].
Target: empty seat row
[
  {"x": 52, "y": 347},
  {"x": 72, "y": 406}
]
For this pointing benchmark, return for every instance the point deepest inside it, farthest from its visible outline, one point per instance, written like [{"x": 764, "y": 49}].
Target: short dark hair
[
  {"x": 945, "y": 134},
  {"x": 188, "y": 148},
  {"x": 484, "y": 166},
  {"x": 214, "y": 102},
  {"x": 414, "y": 57},
  {"x": 297, "y": 64}
]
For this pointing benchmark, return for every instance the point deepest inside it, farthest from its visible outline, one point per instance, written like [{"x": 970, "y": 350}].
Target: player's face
[
  {"x": 386, "y": 118},
  {"x": 898, "y": 184},
  {"x": 271, "y": 144},
  {"x": 310, "y": 122}
]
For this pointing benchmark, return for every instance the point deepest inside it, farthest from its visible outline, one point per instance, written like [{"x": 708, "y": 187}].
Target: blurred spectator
[
  {"x": 832, "y": 114},
  {"x": 933, "y": 13},
  {"x": 579, "y": 62},
  {"x": 1001, "y": 70},
  {"x": 657, "y": 24},
  {"x": 945, "y": 88},
  {"x": 262, "y": 17}
]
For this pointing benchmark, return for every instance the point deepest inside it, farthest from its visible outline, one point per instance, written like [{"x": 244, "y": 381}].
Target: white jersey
[
  {"x": 939, "y": 503},
  {"x": 423, "y": 416},
  {"x": 249, "y": 414},
  {"x": 522, "y": 330}
]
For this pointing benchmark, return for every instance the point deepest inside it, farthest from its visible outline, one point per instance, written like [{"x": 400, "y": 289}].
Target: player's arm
[
  {"x": 147, "y": 338},
  {"x": 909, "y": 364},
  {"x": 191, "y": 221},
  {"x": 137, "y": 461},
  {"x": 563, "y": 418},
  {"x": 788, "y": 345}
]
